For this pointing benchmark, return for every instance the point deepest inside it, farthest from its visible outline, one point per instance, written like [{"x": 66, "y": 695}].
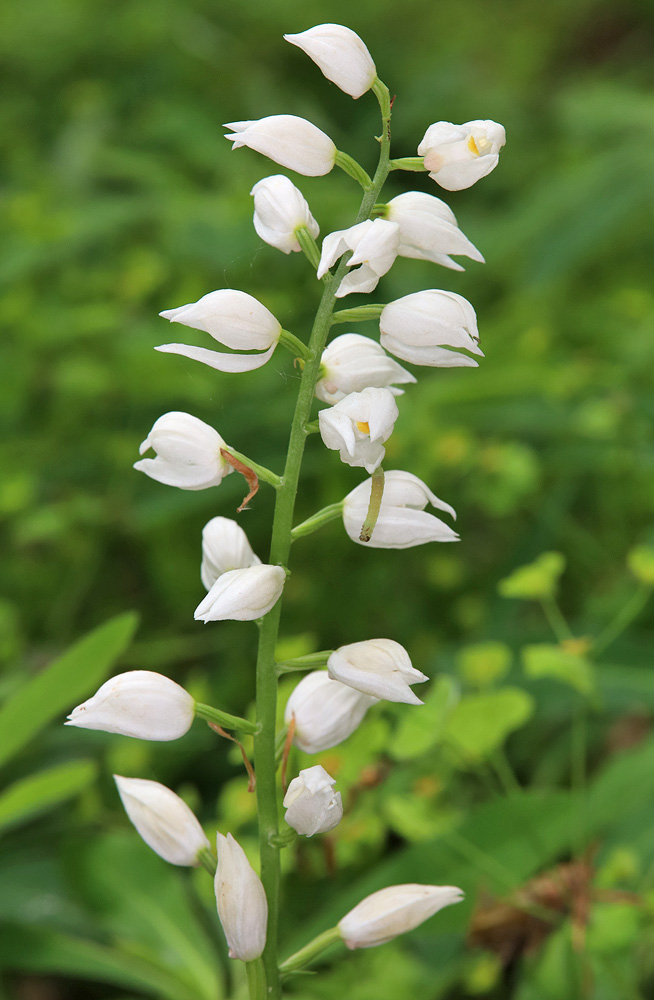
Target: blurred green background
[{"x": 120, "y": 199}]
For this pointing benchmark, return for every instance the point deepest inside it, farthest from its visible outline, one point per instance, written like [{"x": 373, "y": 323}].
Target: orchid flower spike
[
  {"x": 187, "y": 453},
  {"x": 341, "y": 56},
  {"x": 457, "y": 156},
  {"x": 234, "y": 319}
]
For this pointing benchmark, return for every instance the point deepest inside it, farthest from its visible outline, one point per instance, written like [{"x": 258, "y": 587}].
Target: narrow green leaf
[
  {"x": 40, "y": 792},
  {"x": 71, "y": 678}
]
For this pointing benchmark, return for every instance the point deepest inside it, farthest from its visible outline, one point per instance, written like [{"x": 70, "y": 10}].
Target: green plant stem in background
[
  {"x": 310, "y": 951},
  {"x": 557, "y": 622},
  {"x": 266, "y": 673},
  {"x": 624, "y": 618}
]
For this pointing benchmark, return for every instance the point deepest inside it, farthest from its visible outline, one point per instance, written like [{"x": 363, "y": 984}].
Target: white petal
[{"x": 233, "y": 363}]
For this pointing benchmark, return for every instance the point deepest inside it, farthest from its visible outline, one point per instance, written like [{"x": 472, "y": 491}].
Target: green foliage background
[{"x": 120, "y": 198}]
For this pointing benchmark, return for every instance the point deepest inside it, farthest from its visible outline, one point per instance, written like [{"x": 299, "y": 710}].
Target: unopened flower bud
[
  {"x": 311, "y": 804},
  {"x": 163, "y": 820},
  {"x": 457, "y": 156},
  {"x": 234, "y": 319},
  {"x": 225, "y": 547},
  {"x": 399, "y": 908},
  {"x": 379, "y": 667},
  {"x": 241, "y": 901},
  {"x": 288, "y": 140},
  {"x": 358, "y": 425},
  {"x": 242, "y": 595},
  {"x": 187, "y": 453},
  {"x": 139, "y": 703},
  {"x": 351, "y": 363},
  {"x": 279, "y": 211},
  {"x": 325, "y": 711},
  {"x": 340, "y": 55},
  {"x": 403, "y": 520},
  {"x": 375, "y": 245},
  {"x": 423, "y": 327}
]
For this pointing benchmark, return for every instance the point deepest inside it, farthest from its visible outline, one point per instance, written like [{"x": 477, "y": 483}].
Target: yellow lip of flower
[
  {"x": 472, "y": 146},
  {"x": 363, "y": 427}
]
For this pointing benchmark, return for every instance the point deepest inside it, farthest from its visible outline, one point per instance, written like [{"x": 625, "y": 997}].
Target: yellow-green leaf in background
[
  {"x": 38, "y": 793},
  {"x": 536, "y": 581},
  {"x": 480, "y": 723},
  {"x": 484, "y": 663},
  {"x": 545, "y": 660},
  {"x": 641, "y": 563},
  {"x": 421, "y": 728}
]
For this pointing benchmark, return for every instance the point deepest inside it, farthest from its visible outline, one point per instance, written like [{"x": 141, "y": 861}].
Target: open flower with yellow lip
[
  {"x": 358, "y": 425},
  {"x": 457, "y": 156}
]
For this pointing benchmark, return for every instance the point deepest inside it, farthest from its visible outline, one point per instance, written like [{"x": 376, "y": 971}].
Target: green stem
[
  {"x": 354, "y": 169},
  {"x": 224, "y": 719},
  {"x": 624, "y": 617},
  {"x": 207, "y": 860},
  {"x": 310, "y": 951},
  {"x": 414, "y": 163},
  {"x": 262, "y": 472},
  {"x": 557, "y": 622},
  {"x": 293, "y": 344},
  {"x": 312, "y": 661},
  {"x": 256, "y": 974},
  {"x": 317, "y": 520},
  {"x": 266, "y": 674},
  {"x": 358, "y": 314},
  {"x": 309, "y": 246}
]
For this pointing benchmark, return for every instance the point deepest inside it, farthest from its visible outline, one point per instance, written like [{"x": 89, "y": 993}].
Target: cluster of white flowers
[{"x": 360, "y": 383}]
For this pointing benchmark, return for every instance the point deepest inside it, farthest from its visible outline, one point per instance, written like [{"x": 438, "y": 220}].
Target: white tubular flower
[
  {"x": 234, "y": 319},
  {"x": 358, "y": 425},
  {"x": 375, "y": 244},
  {"x": 428, "y": 229},
  {"x": 340, "y": 55},
  {"x": 403, "y": 520},
  {"x": 312, "y": 805},
  {"x": 384, "y": 915},
  {"x": 351, "y": 363},
  {"x": 225, "y": 546},
  {"x": 279, "y": 210},
  {"x": 457, "y": 156},
  {"x": 241, "y": 901},
  {"x": 162, "y": 819},
  {"x": 188, "y": 453},
  {"x": 325, "y": 712},
  {"x": 242, "y": 595},
  {"x": 421, "y": 327},
  {"x": 288, "y": 140},
  {"x": 139, "y": 703},
  {"x": 379, "y": 667}
]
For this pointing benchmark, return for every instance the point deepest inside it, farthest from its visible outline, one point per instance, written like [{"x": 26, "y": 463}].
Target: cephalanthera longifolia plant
[{"x": 359, "y": 382}]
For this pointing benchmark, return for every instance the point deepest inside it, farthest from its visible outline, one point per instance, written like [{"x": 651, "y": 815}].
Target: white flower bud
[
  {"x": 241, "y": 901},
  {"x": 139, "y": 703},
  {"x": 163, "y": 820},
  {"x": 379, "y": 667},
  {"x": 325, "y": 712},
  {"x": 358, "y": 425},
  {"x": 428, "y": 229},
  {"x": 188, "y": 453},
  {"x": 242, "y": 595},
  {"x": 288, "y": 140},
  {"x": 225, "y": 546},
  {"x": 403, "y": 520},
  {"x": 375, "y": 245},
  {"x": 399, "y": 908},
  {"x": 457, "y": 156},
  {"x": 351, "y": 363},
  {"x": 421, "y": 327},
  {"x": 279, "y": 210},
  {"x": 341, "y": 56},
  {"x": 311, "y": 804},
  {"x": 234, "y": 319}
]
